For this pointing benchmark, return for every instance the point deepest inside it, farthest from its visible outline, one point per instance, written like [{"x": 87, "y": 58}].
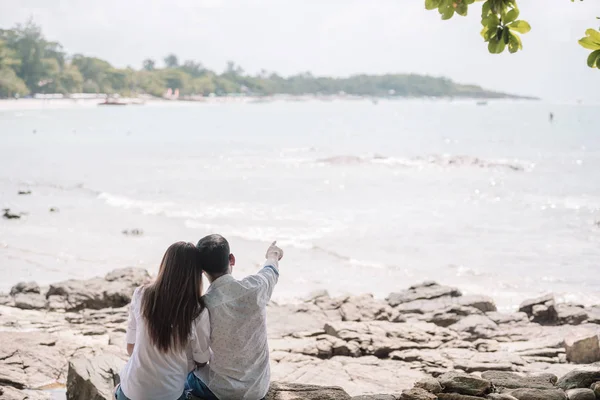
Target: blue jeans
[
  {"x": 198, "y": 388},
  {"x": 119, "y": 395}
]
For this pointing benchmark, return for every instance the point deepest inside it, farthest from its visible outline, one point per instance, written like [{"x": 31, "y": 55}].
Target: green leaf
[
  {"x": 511, "y": 16},
  {"x": 462, "y": 9},
  {"x": 593, "y": 60},
  {"x": 514, "y": 43},
  {"x": 432, "y": 4},
  {"x": 520, "y": 26},
  {"x": 447, "y": 13},
  {"x": 589, "y": 44},
  {"x": 486, "y": 8},
  {"x": 496, "y": 46},
  {"x": 594, "y": 34}
]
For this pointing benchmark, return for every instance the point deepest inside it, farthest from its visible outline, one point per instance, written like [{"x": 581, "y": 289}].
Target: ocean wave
[{"x": 438, "y": 160}]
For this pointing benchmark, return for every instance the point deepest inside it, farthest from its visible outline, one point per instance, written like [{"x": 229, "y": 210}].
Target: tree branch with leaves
[{"x": 502, "y": 27}]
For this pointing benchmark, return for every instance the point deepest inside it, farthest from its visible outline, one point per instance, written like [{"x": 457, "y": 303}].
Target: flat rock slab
[
  {"x": 456, "y": 396},
  {"x": 292, "y": 391},
  {"x": 510, "y": 380},
  {"x": 538, "y": 394}
]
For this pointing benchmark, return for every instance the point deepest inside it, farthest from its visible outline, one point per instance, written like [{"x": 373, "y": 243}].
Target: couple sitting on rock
[{"x": 212, "y": 346}]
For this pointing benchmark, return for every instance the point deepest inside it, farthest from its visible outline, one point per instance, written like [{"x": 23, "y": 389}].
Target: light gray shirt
[{"x": 239, "y": 362}]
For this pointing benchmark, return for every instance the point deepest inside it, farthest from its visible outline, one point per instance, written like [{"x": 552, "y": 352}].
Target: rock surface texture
[{"x": 426, "y": 342}]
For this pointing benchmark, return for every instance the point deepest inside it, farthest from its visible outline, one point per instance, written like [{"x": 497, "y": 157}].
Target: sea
[{"x": 364, "y": 196}]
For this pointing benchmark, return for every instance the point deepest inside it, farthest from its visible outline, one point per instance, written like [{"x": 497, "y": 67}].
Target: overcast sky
[{"x": 328, "y": 37}]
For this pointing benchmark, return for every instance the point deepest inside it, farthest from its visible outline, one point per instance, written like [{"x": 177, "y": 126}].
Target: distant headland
[{"x": 31, "y": 65}]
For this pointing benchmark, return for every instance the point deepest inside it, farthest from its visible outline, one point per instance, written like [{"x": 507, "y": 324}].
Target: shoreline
[
  {"x": 359, "y": 343},
  {"x": 66, "y": 103}
]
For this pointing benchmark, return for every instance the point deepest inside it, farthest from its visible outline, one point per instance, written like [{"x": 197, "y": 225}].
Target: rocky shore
[{"x": 425, "y": 342}]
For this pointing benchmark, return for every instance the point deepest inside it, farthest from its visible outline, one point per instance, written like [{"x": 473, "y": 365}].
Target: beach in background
[{"x": 363, "y": 197}]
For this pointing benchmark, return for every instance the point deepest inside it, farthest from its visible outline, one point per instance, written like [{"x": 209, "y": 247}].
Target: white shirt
[
  {"x": 239, "y": 364},
  {"x": 151, "y": 374}
]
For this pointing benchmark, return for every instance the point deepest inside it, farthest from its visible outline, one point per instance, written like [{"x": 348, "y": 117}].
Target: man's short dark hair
[{"x": 214, "y": 253}]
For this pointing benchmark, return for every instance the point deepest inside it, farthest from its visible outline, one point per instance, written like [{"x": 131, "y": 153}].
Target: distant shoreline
[{"x": 33, "y": 103}]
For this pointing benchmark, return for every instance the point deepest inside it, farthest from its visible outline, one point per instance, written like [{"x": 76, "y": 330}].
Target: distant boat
[{"x": 482, "y": 103}]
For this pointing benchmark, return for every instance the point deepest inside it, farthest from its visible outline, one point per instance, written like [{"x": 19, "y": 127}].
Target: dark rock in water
[
  {"x": 93, "y": 379},
  {"x": 417, "y": 394},
  {"x": 583, "y": 350},
  {"x": 538, "y": 394},
  {"x": 293, "y": 391},
  {"x": 510, "y": 380},
  {"x": 465, "y": 384},
  {"x": 569, "y": 314},
  {"x": 541, "y": 309},
  {"x": 581, "y": 394},
  {"x": 8, "y": 215},
  {"x": 24, "y": 192},
  {"x": 133, "y": 232},
  {"x": 579, "y": 379},
  {"x": 25, "y": 287},
  {"x": 53, "y": 209},
  {"x": 424, "y": 291}
]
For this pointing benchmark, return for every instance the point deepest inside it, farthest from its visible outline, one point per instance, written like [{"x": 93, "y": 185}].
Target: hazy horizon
[{"x": 328, "y": 38}]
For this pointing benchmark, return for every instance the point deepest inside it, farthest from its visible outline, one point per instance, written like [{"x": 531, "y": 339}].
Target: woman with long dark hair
[{"x": 168, "y": 330}]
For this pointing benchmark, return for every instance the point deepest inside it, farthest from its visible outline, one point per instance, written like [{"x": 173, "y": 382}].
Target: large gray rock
[
  {"x": 375, "y": 397},
  {"x": 581, "y": 394},
  {"x": 25, "y": 287},
  {"x": 482, "y": 303},
  {"x": 93, "y": 379},
  {"x": 424, "y": 291},
  {"x": 294, "y": 391},
  {"x": 417, "y": 394},
  {"x": 510, "y": 380},
  {"x": 430, "y": 384},
  {"x": 478, "y": 326},
  {"x": 538, "y": 394},
  {"x": 579, "y": 378},
  {"x": 594, "y": 314},
  {"x": 30, "y": 301},
  {"x": 114, "y": 290},
  {"x": 500, "y": 396},
  {"x": 541, "y": 309},
  {"x": 465, "y": 384},
  {"x": 570, "y": 314},
  {"x": 596, "y": 388},
  {"x": 584, "y": 350}
]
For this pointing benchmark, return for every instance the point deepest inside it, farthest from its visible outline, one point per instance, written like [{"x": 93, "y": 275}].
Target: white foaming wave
[
  {"x": 171, "y": 209},
  {"x": 435, "y": 160},
  {"x": 146, "y": 207},
  {"x": 299, "y": 238}
]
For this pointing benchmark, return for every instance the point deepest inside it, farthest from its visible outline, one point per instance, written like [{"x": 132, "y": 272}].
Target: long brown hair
[{"x": 171, "y": 304}]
